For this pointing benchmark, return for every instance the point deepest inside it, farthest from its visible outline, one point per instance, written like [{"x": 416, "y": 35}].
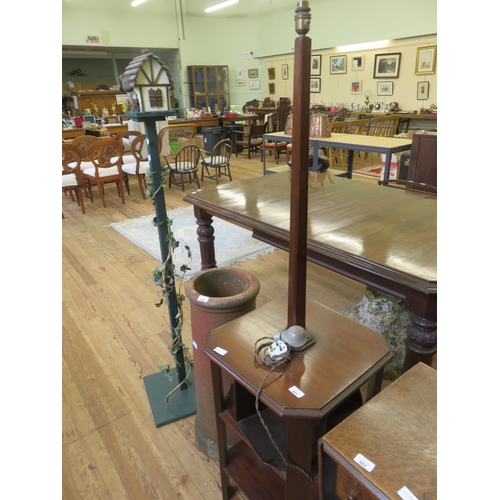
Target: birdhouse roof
[{"x": 129, "y": 78}]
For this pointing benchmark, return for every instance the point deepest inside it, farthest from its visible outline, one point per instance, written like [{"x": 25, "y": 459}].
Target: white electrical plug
[{"x": 277, "y": 349}]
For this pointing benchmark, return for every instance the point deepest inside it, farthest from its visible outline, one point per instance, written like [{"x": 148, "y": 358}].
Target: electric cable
[{"x": 266, "y": 360}]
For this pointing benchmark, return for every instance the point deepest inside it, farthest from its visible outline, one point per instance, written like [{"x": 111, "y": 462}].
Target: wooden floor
[{"x": 113, "y": 336}]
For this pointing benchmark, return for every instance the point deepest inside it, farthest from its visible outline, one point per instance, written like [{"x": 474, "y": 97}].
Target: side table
[
  {"x": 397, "y": 433},
  {"x": 345, "y": 356}
]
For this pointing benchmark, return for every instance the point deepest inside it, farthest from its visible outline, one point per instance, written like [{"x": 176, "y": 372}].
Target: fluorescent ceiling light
[
  {"x": 221, "y": 5},
  {"x": 363, "y": 46},
  {"x": 135, "y": 3}
]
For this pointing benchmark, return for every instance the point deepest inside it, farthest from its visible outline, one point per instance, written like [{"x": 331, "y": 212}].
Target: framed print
[
  {"x": 358, "y": 63},
  {"x": 315, "y": 65},
  {"x": 387, "y": 65},
  {"x": 315, "y": 85},
  {"x": 385, "y": 88},
  {"x": 426, "y": 60},
  {"x": 338, "y": 65},
  {"x": 272, "y": 88},
  {"x": 254, "y": 84},
  {"x": 240, "y": 83},
  {"x": 422, "y": 91},
  {"x": 272, "y": 73},
  {"x": 253, "y": 73},
  {"x": 239, "y": 73},
  {"x": 284, "y": 71},
  {"x": 356, "y": 87}
]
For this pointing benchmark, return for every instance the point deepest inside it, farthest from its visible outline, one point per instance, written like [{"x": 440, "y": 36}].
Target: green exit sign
[{"x": 92, "y": 39}]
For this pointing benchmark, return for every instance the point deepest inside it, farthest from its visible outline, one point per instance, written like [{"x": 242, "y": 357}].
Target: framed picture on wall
[
  {"x": 254, "y": 84},
  {"x": 284, "y": 71},
  {"x": 356, "y": 87},
  {"x": 253, "y": 73},
  {"x": 426, "y": 60},
  {"x": 422, "y": 91},
  {"x": 387, "y": 65},
  {"x": 315, "y": 65},
  {"x": 315, "y": 85},
  {"x": 240, "y": 83},
  {"x": 272, "y": 88},
  {"x": 338, "y": 65},
  {"x": 272, "y": 73},
  {"x": 358, "y": 63},
  {"x": 239, "y": 74},
  {"x": 385, "y": 88}
]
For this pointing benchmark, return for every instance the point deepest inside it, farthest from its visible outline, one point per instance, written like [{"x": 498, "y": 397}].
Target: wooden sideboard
[
  {"x": 396, "y": 432},
  {"x": 113, "y": 128},
  {"x": 101, "y": 98},
  {"x": 423, "y": 159}
]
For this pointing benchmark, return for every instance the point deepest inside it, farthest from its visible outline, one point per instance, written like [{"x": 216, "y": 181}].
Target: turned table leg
[{"x": 206, "y": 238}]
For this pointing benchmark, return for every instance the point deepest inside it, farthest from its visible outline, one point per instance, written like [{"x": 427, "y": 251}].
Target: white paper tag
[
  {"x": 406, "y": 494},
  {"x": 296, "y": 392},
  {"x": 364, "y": 462},
  {"x": 220, "y": 351},
  {"x": 203, "y": 298},
  {"x": 195, "y": 345}
]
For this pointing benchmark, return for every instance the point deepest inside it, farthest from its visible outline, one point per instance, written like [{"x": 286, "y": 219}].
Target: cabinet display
[
  {"x": 100, "y": 100},
  {"x": 208, "y": 87}
]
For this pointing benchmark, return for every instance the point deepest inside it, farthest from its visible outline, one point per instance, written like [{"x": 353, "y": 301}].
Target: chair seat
[
  {"x": 69, "y": 180},
  {"x": 130, "y": 168},
  {"x": 103, "y": 172},
  {"x": 184, "y": 166},
  {"x": 215, "y": 161}
]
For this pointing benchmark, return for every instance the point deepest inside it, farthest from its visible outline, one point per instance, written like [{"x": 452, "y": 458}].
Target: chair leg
[
  {"x": 125, "y": 179},
  {"x": 140, "y": 180},
  {"x": 229, "y": 173},
  {"x": 121, "y": 188},
  {"x": 195, "y": 175},
  {"x": 100, "y": 186},
  {"x": 79, "y": 197}
]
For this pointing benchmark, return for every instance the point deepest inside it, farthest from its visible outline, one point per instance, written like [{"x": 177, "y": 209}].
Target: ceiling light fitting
[{"x": 221, "y": 5}]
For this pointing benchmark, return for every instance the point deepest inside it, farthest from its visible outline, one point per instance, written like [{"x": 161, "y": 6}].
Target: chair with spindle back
[
  {"x": 185, "y": 164},
  {"x": 275, "y": 147}
]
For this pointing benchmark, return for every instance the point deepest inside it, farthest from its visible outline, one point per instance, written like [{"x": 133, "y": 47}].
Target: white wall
[
  {"x": 336, "y": 88},
  {"x": 224, "y": 41}
]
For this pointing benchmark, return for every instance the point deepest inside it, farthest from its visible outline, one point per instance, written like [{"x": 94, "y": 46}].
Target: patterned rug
[
  {"x": 375, "y": 171},
  {"x": 232, "y": 243}
]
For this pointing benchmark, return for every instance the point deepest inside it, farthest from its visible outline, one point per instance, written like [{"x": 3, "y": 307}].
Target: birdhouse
[{"x": 147, "y": 82}]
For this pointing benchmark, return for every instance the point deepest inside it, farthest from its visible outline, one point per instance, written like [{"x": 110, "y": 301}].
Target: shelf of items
[
  {"x": 208, "y": 87},
  {"x": 329, "y": 374}
]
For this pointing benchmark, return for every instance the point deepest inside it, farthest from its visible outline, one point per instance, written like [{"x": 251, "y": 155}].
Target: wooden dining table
[
  {"x": 383, "y": 237},
  {"x": 350, "y": 142}
]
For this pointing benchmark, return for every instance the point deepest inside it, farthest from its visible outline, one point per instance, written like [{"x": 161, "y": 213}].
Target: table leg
[
  {"x": 421, "y": 340},
  {"x": 387, "y": 169},
  {"x": 350, "y": 161},
  {"x": 206, "y": 238},
  {"x": 315, "y": 157},
  {"x": 300, "y": 446}
]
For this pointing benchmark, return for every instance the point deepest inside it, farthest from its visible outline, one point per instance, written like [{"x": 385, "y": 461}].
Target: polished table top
[
  {"x": 386, "y": 231},
  {"x": 380, "y": 236}
]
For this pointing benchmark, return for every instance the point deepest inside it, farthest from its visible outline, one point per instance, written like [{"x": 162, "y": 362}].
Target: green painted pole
[{"x": 149, "y": 118}]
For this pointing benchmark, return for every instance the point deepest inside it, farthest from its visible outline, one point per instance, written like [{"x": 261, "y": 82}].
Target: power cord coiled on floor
[{"x": 261, "y": 354}]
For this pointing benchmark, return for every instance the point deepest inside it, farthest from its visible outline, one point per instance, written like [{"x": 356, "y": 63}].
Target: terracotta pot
[{"x": 217, "y": 296}]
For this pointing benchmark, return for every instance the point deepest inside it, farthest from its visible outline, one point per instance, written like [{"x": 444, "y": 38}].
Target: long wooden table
[
  {"x": 351, "y": 142},
  {"x": 383, "y": 237},
  {"x": 113, "y": 128}
]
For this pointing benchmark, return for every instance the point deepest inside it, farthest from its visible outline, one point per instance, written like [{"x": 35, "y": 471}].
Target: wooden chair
[
  {"x": 410, "y": 185},
  {"x": 72, "y": 177},
  {"x": 335, "y": 153},
  {"x": 218, "y": 163},
  {"x": 251, "y": 141},
  {"x": 173, "y": 138},
  {"x": 140, "y": 166},
  {"x": 83, "y": 143},
  {"x": 383, "y": 126},
  {"x": 126, "y": 139},
  {"x": 275, "y": 147},
  {"x": 106, "y": 158},
  {"x": 185, "y": 163}
]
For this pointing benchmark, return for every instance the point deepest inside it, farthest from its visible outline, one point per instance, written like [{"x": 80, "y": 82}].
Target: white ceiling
[{"x": 191, "y": 8}]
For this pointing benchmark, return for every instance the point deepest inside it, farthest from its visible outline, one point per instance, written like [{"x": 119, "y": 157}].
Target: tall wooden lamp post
[{"x": 297, "y": 263}]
